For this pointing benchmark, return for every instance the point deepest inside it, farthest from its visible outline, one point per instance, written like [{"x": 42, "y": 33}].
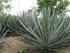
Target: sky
[{"x": 20, "y": 5}]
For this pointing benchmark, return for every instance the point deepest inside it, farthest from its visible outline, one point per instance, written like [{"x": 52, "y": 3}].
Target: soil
[{"x": 13, "y": 45}]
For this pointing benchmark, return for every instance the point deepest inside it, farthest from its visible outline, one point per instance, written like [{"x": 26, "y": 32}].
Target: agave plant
[
  {"x": 3, "y": 27},
  {"x": 50, "y": 31}
]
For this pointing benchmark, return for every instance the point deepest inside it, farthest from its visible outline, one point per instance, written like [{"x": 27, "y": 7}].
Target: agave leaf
[{"x": 0, "y": 27}]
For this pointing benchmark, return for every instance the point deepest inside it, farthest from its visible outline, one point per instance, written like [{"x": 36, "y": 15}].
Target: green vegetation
[
  {"x": 49, "y": 32},
  {"x": 3, "y": 22},
  {"x": 59, "y": 5},
  {"x": 24, "y": 51}
]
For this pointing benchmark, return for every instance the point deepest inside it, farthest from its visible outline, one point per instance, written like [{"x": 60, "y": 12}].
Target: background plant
[{"x": 59, "y": 5}]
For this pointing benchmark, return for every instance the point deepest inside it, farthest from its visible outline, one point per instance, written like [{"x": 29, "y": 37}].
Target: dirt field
[{"x": 13, "y": 45}]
